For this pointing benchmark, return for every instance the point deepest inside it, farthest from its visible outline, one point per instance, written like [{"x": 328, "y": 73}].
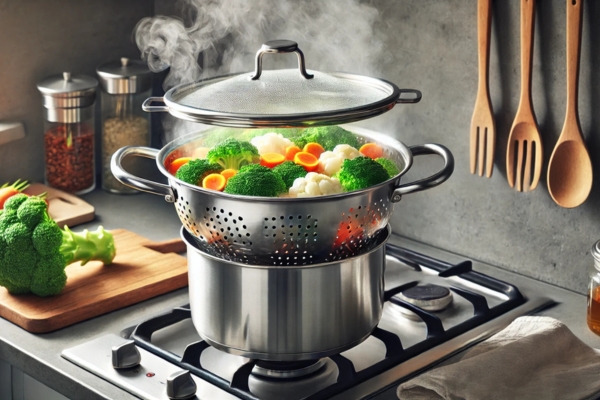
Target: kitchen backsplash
[{"x": 428, "y": 45}]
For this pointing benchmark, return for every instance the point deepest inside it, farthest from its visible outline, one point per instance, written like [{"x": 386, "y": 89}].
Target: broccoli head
[
  {"x": 256, "y": 180},
  {"x": 233, "y": 154},
  {"x": 289, "y": 171},
  {"x": 195, "y": 170},
  {"x": 327, "y": 136},
  {"x": 389, "y": 165},
  {"x": 360, "y": 173},
  {"x": 34, "y": 251}
]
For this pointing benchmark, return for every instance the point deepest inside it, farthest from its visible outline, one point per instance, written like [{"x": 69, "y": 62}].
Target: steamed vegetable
[
  {"x": 271, "y": 143},
  {"x": 371, "y": 150},
  {"x": 178, "y": 163},
  {"x": 389, "y": 165},
  {"x": 361, "y": 173},
  {"x": 214, "y": 182},
  {"x": 289, "y": 172},
  {"x": 307, "y": 160},
  {"x": 256, "y": 180},
  {"x": 327, "y": 136},
  {"x": 34, "y": 251},
  {"x": 233, "y": 154},
  {"x": 195, "y": 170},
  {"x": 271, "y": 160},
  {"x": 314, "y": 184},
  {"x": 330, "y": 162}
]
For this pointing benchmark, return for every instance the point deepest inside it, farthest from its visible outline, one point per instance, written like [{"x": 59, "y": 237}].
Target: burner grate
[{"x": 347, "y": 374}]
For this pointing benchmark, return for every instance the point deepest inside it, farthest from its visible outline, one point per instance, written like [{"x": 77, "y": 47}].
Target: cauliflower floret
[
  {"x": 314, "y": 184},
  {"x": 330, "y": 162},
  {"x": 271, "y": 143}
]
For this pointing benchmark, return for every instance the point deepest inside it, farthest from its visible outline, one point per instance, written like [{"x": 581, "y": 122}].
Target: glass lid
[{"x": 283, "y": 98}]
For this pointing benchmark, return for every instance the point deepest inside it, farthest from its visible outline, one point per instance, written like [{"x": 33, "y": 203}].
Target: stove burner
[
  {"x": 284, "y": 370},
  {"x": 312, "y": 378},
  {"x": 428, "y": 297}
]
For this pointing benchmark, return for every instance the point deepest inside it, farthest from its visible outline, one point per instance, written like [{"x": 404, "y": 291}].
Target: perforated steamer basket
[{"x": 284, "y": 231}]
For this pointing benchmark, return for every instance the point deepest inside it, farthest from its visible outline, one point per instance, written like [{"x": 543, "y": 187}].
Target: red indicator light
[{"x": 150, "y": 374}]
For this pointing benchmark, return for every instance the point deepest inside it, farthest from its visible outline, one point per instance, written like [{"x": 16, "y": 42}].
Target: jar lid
[
  {"x": 125, "y": 76},
  {"x": 68, "y": 91},
  {"x": 596, "y": 251}
]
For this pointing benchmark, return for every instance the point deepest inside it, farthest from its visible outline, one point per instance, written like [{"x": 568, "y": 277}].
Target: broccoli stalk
[
  {"x": 34, "y": 251},
  {"x": 233, "y": 154}
]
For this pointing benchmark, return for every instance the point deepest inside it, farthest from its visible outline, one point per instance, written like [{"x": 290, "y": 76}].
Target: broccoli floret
[
  {"x": 33, "y": 256},
  {"x": 195, "y": 170},
  {"x": 361, "y": 173},
  {"x": 15, "y": 201},
  {"x": 327, "y": 136},
  {"x": 289, "y": 171},
  {"x": 389, "y": 165},
  {"x": 256, "y": 180},
  {"x": 233, "y": 154}
]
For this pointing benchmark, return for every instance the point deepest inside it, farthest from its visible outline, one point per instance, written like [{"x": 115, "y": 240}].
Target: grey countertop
[{"x": 38, "y": 355}]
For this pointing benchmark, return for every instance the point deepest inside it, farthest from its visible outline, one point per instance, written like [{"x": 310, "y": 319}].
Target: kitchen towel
[{"x": 532, "y": 358}]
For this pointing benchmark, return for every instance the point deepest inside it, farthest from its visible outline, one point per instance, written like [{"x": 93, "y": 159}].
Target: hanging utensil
[
  {"x": 570, "y": 169},
  {"x": 524, "y": 153},
  {"x": 483, "y": 129}
]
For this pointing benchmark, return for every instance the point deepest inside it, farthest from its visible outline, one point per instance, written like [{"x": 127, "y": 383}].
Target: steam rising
[
  {"x": 225, "y": 35},
  {"x": 217, "y": 37}
]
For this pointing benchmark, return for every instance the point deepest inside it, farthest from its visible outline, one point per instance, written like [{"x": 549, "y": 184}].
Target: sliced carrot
[
  {"x": 371, "y": 150},
  {"x": 177, "y": 163},
  {"x": 271, "y": 160},
  {"x": 228, "y": 173},
  {"x": 313, "y": 148},
  {"x": 291, "y": 151},
  {"x": 214, "y": 182},
  {"x": 307, "y": 160}
]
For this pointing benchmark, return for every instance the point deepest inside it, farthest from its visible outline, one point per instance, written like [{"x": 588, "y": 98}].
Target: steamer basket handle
[
  {"x": 148, "y": 107},
  {"x": 431, "y": 181},
  {"x": 136, "y": 182}
]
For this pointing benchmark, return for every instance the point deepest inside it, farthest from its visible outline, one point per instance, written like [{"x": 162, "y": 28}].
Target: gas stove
[{"x": 433, "y": 309}]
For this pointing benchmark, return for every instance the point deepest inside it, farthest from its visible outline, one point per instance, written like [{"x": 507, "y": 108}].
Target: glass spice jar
[
  {"x": 125, "y": 86},
  {"x": 593, "y": 309},
  {"x": 69, "y": 131}
]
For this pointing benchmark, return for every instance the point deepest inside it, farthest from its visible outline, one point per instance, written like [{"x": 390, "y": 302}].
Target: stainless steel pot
[{"x": 286, "y": 313}]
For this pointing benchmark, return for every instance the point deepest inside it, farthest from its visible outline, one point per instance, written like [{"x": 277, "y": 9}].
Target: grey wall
[
  {"x": 431, "y": 46},
  {"x": 41, "y": 38}
]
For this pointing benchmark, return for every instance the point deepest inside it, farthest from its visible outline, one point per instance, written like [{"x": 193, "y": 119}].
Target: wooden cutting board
[
  {"x": 141, "y": 270},
  {"x": 64, "y": 208}
]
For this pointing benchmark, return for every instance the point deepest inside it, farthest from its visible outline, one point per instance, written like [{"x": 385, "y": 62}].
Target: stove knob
[
  {"x": 126, "y": 355},
  {"x": 181, "y": 385}
]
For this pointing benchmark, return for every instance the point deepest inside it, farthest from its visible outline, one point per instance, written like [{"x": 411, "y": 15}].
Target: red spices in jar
[{"x": 69, "y": 151}]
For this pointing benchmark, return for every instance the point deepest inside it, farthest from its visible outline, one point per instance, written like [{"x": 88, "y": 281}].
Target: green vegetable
[
  {"x": 389, "y": 165},
  {"x": 256, "y": 180},
  {"x": 195, "y": 170},
  {"x": 361, "y": 173},
  {"x": 289, "y": 171},
  {"x": 327, "y": 136},
  {"x": 34, "y": 251},
  {"x": 233, "y": 154}
]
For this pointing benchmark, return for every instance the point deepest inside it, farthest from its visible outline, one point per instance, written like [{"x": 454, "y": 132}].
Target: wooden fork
[
  {"x": 483, "y": 129},
  {"x": 524, "y": 153}
]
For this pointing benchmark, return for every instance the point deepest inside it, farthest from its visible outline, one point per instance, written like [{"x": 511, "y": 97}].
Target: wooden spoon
[{"x": 570, "y": 168}]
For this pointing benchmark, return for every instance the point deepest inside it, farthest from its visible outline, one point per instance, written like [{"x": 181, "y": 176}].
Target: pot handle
[
  {"x": 410, "y": 100},
  {"x": 136, "y": 182},
  {"x": 431, "y": 181},
  {"x": 147, "y": 105}
]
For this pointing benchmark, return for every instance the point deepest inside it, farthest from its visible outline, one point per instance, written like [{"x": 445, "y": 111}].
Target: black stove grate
[{"x": 347, "y": 375}]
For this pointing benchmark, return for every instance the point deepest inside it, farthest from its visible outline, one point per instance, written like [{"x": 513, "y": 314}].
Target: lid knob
[
  {"x": 280, "y": 46},
  {"x": 124, "y": 61},
  {"x": 67, "y": 76}
]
